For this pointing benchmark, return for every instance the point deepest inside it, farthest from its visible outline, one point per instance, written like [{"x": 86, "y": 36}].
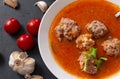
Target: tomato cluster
[{"x": 25, "y": 41}]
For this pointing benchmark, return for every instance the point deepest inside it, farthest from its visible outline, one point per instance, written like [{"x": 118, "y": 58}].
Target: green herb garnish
[
  {"x": 100, "y": 61},
  {"x": 85, "y": 66},
  {"x": 92, "y": 54}
]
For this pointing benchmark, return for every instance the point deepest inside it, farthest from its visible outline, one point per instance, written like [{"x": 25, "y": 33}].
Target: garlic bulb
[
  {"x": 11, "y": 3},
  {"x": 21, "y": 63},
  {"x": 42, "y": 5},
  {"x": 16, "y": 55}
]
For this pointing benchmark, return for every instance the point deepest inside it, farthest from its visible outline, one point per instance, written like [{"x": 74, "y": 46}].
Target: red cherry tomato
[
  {"x": 33, "y": 26},
  {"x": 25, "y": 42},
  {"x": 11, "y": 26}
]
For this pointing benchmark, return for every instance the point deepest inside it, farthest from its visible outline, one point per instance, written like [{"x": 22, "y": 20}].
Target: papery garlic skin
[
  {"x": 11, "y": 3},
  {"x": 42, "y": 5},
  {"x": 21, "y": 63}
]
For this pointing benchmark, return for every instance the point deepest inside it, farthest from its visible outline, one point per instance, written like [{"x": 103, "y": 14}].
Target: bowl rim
[{"x": 53, "y": 67}]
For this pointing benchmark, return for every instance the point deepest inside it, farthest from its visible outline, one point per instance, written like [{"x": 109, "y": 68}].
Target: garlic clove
[
  {"x": 18, "y": 64},
  {"x": 23, "y": 55},
  {"x": 27, "y": 76},
  {"x": 33, "y": 77},
  {"x": 29, "y": 61},
  {"x": 36, "y": 77},
  {"x": 11, "y": 3},
  {"x": 28, "y": 66},
  {"x": 14, "y": 55},
  {"x": 42, "y": 5}
]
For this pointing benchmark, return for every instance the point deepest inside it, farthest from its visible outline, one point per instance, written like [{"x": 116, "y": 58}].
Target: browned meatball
[
  {"x": 67, "y": 29},
  {"x": 90, "y": 63},
  {"x": 97, "y": 28},
  {"x": 85, "y": 41},
  {"x": 112, "y": 46},
  {"x": 91, "y": 69}
]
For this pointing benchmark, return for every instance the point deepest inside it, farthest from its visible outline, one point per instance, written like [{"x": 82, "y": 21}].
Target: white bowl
[{"x": 43, "y": 41}]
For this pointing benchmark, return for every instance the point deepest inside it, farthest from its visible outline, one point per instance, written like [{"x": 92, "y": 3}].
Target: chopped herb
[
  {"x": 86, "y": 55},
  {"x": 85, "y": 66},
  {"x": 93, "y": 52},
  {"x": 103, "y": 58},
  {"x": 100, "y": 61}
]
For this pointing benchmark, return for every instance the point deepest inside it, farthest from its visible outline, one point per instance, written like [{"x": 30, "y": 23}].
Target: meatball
[
  {"x": 88, "y": 65},
  {"x": 91, "y": 69},
  {"x": 67, "y": 29},
  {"x": 97, "y": 28},
  {"x": 85, "y": 41},
  {"x": 112, "y": 46}
]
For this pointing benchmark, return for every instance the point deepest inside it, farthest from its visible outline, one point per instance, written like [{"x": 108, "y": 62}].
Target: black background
[{"x": 23, "y": 13}]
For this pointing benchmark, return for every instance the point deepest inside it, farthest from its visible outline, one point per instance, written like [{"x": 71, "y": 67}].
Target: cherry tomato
[
  {"x": 33, "y": 26},
  {"x": 11, "y": 25},
  {"x": 25, "y": 42}
]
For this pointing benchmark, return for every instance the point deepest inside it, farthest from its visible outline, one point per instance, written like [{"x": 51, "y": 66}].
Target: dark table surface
[{"x": 23, "y": 13}]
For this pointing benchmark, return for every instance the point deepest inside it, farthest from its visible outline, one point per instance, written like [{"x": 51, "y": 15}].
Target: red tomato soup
[{"x": 84, "y": 11}]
